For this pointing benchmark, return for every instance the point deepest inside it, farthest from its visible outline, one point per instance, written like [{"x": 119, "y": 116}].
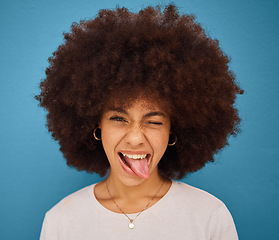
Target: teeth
[{"x": 136, "y": 156}]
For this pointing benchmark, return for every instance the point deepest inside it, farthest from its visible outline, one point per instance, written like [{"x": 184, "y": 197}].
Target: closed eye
[{"x": 155, "y": 123}]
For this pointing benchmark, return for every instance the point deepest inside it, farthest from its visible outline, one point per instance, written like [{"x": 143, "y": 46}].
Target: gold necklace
[{"x": 131, "y": 224}]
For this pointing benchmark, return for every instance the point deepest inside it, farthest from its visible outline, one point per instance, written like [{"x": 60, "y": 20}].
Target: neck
[
  {"x": 134, "y": 197},
  {"x": 141, "y": 189}
]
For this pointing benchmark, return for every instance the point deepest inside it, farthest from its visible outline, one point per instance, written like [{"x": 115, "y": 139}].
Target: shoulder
[
  {"x": 195, "y": 198},
  {"x": 74, "y": 202},
  {"x": 203, "y": 209},
  {"x": 186, "y": 191}
]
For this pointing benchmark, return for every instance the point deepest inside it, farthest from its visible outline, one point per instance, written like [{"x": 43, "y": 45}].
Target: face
[{"x": 135, "y": 140}]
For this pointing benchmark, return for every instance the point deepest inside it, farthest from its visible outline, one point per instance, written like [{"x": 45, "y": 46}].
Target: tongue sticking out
[{"x": 139, "y": 166}]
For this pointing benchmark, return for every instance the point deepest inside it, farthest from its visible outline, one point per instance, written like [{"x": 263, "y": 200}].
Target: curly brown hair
[{"x": 119, "y": 56}]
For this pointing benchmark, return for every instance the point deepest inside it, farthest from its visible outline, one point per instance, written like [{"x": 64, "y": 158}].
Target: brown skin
[{"x": 142, "y": 128}]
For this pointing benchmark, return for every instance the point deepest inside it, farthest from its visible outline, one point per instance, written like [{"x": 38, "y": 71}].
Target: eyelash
[
  {"x": 156, "y": 123},
  {"x": 118, "y": 119},
  {"x": 121, "y": 119}
]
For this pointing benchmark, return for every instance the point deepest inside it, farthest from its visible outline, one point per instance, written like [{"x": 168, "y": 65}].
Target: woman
[{"x": 147, "y": 97}]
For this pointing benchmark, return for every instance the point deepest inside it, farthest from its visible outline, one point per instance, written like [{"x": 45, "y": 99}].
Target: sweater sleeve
[
  {"x": 49, "y": 230},
  {"x": 221, "y": 226}
]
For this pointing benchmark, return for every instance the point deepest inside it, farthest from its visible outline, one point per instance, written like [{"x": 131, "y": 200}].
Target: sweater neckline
[{"x": 148, "y": 211}]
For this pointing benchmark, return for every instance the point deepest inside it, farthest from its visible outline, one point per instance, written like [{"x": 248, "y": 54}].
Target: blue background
[{"x": 33, "y": 173}]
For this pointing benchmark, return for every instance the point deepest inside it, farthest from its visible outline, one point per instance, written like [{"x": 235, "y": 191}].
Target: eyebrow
[
  {"x": 150, "y": 114},
  {"x": 118, "y": 109}
]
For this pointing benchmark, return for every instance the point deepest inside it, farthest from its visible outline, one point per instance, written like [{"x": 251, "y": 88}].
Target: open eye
[{"x": 117, "y": 119}]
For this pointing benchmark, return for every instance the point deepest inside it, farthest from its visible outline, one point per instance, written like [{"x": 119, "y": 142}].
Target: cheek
[
  {"x": 159, "y": 141},
  {"x": 110, "y": 139},
  {"x": 107, "y": 142}
]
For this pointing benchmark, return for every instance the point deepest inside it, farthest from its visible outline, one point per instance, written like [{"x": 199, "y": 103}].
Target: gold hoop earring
[
  {"x": 175, "y": 140},
  {"x": 94, "y": 134}
]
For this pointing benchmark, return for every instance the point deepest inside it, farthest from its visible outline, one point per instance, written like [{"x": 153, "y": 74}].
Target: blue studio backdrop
[{"x": 33, "y": 173}]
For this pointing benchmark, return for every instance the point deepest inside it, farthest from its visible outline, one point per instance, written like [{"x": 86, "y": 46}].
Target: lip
[
  {"x": 134, "y": 152},
  {"x": 137, "y": 153},
  {"x": 127, "y": 169}
]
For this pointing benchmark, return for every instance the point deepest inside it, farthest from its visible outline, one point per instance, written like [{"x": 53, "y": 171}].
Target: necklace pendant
[{"x": 131, "y": 225}]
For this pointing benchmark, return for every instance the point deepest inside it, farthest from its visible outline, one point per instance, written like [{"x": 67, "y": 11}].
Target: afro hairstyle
[{"x": 120, "y": 55}]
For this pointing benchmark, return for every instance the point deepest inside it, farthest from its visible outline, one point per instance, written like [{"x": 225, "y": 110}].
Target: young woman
[{"x": 148, "y": 98}]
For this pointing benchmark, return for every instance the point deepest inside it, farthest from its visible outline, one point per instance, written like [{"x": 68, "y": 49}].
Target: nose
[{"x": 135, "y": 136}]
